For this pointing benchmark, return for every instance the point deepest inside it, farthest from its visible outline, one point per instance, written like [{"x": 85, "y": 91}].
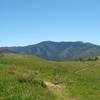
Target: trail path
[{"x": 81, "y": 70}]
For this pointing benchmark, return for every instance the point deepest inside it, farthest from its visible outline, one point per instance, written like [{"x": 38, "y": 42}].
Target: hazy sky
[{"x": 24, "y": 22}]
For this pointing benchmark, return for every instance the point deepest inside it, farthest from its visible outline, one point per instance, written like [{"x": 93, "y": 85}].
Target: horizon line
[{"x": 49, "y": 41}]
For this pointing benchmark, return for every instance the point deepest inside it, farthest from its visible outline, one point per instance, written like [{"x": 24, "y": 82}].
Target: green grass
[{"x": 22, "y": 77}]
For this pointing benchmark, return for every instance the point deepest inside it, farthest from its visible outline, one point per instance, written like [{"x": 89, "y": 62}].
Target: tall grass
[{"x": 22, "y": 77}]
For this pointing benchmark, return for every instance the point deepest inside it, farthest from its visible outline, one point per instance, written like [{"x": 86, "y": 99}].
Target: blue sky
[{"x": 24, "y": 22}]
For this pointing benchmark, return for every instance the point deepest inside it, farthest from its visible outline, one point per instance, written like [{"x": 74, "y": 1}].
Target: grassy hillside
[{"x": 31, "y": 78}]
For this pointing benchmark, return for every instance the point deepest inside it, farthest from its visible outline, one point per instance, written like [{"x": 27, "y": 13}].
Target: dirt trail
[{"x": 81, "y": 70}]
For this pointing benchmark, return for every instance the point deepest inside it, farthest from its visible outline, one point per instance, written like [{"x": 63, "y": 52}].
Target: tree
[{"x": 96, "y": 58}]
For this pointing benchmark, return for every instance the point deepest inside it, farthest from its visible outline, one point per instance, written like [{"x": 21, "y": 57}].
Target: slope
[
  {"x": 31, "y": 78},
  {"x": 59, "y": 51}
]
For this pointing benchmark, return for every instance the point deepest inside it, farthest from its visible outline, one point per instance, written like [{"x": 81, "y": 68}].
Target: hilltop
[
  {"x": 31, "y": 78},
  {"x": 59, "y": 51}
]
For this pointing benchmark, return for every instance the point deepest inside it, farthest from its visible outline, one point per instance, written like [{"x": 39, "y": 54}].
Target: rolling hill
[
  {"x": 59, "y": 51},
  {"x": 31, "y": 78},
  {"x": 6, "y": 51}
]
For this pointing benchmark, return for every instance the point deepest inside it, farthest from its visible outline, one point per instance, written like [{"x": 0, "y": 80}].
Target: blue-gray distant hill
[{"x": 59, "y": 51}]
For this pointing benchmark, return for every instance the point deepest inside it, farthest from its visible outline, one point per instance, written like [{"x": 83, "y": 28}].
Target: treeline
[{"x": 88, "y": 59}]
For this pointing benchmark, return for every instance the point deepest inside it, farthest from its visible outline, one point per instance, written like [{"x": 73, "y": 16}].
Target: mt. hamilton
[{"x": 58, "y": 51}]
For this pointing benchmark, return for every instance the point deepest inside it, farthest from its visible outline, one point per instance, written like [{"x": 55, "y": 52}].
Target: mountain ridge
[{"x": 59, "y": 51}]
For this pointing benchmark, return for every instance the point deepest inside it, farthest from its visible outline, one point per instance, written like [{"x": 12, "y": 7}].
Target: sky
[{"x": 25, "y": 22}]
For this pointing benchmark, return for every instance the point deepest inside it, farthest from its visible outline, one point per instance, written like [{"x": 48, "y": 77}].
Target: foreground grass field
[{"x": 31, "y": 78}]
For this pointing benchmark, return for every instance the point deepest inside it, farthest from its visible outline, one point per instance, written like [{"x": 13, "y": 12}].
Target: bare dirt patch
[{"x": 57, "y": 89}]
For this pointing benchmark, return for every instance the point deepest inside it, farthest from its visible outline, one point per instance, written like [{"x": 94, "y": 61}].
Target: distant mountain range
[{"x": 57, "y": 51}]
